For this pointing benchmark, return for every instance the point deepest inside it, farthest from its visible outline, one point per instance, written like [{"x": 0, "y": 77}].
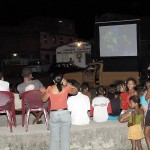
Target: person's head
[
  {"x": 147, "y": 84},
  {"x": 1, "y": 76},
  {"x": 27, "y": 73},
  {"x": 85, "y": 87},
  {"x": 112, "y": 92},
  {"x": 57, "y": 78},
  {"x": 131, "y": 83},
  {"x": 121, "y": 87},
  {"x": 134, "y": 101},
  {"x": 77, "y": 85},
  {"x": 100, "y": 91}
]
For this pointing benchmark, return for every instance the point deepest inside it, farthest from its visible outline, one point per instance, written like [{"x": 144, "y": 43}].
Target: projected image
[{"x": 118, "y": 40}]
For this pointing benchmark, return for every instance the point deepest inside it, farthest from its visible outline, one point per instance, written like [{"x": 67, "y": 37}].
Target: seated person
[
  {"x": 4, "y": 85},
  {"x": 101, "y": 106},
  {"x": 115, "y": 102},
  {"x": 79, "y": 105},
  {"x": 28, "y": 85},
  {"x": 85, "y": 90}
]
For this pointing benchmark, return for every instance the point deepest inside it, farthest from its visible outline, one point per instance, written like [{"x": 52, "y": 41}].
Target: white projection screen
[{"x": 118, "y": 40}]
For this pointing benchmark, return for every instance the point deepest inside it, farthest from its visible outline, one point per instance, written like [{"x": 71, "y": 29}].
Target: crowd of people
[{"x": 72, "y": 103}]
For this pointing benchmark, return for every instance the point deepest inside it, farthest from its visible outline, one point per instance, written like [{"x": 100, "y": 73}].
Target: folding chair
[
  {"x": 7, "y": 106},
  {"x": 32, "y": 102}
]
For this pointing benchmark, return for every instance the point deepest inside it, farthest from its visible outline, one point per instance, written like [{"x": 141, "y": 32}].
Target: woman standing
[{"x": 60, "y": 119}]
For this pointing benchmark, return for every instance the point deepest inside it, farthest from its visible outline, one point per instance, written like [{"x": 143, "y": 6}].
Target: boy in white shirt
[
  {"x": 101, "y": 106},
  {"x": 79, "y": 105}
]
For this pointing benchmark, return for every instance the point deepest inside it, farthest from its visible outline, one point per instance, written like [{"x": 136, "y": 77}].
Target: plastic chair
[
  {"x": 32, "y": 102},
  {"x": 7, "y": 106}
]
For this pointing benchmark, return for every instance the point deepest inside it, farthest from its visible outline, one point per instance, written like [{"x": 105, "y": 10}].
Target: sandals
[{"x": 37, "y": 122}]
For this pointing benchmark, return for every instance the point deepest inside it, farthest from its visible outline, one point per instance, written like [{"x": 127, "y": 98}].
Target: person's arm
[
  {"x": 109, "y": 108},
  {"x": 147, "y": 96},
  {"x": 133, "y": 120},
  {"x": 125, "y": 117},
  {"x": 73, "y": 89},
  {"x": 142, "y": 121}
]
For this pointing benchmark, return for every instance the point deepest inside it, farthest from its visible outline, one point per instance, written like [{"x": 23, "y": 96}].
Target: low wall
[
  {"x": 110, "y": 135},
  {"x": 109, "y": 77}
]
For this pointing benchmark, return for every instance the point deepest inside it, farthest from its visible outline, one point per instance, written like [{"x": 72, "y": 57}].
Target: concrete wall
[{"x": 110, "y": 135}]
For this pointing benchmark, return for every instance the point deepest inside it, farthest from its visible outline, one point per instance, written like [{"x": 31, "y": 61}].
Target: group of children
[{"x": 124, "y": 103}]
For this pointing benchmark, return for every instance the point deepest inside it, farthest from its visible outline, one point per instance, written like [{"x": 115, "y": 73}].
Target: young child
[
  {"x": 123, "y": 97},
  {"x": 136, "y": 122},
  {"x": 101, "y": 106},
  {"x": 114, "y": 98},
  {"x": 131, "y": 84},
  {"x": 128, "y": 92},
  {"x": 85, "y": 90},
  {"x": 147, "y": 118}
]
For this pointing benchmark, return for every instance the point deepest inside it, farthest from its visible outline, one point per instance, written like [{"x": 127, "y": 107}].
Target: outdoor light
[
  {"x": 60, "y": 21},
  {"x": 79, "y": 44},
  {"x": 15, "y": 54}
]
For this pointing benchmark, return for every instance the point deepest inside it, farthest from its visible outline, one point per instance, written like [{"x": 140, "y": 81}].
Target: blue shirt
[{"x": 143, "y": 101}]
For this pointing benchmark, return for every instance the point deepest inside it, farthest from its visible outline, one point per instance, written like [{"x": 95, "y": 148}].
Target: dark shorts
[{"x": 147, "y": 118}]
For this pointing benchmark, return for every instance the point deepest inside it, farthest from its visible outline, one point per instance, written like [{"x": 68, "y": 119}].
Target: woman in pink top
[{"x": 60, "y": 119}]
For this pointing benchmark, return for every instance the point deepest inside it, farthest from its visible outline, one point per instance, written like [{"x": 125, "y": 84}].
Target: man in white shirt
[
  {"x": 4, "y": 85},
  {"x": 79, "y": 105}
]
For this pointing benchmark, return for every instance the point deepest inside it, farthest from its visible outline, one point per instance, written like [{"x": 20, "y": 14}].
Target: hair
[
  {"x": 26, "y": 72},
  {"x": 84, "y": 86},
  {"x": 135, "y": 99},
  {"x": 1, "y": 75},
  {"x": 130, "y": 79},
  {"x": 112, "y": 92},
  {"x": 58, "y": 79},
  {"x": 146, "y": 86},
  {"x": 77, "y": 85},
  {"x": 100, "y": 90}
]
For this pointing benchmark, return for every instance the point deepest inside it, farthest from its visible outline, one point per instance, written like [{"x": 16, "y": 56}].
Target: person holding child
[{"x": 126, "y": 92}]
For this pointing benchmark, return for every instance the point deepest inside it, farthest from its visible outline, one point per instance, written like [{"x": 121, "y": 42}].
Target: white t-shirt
[
  {"x": 4, "y": 85},
  {"x": 100, "y": 105},
  {"x": 79, "y": 105}
]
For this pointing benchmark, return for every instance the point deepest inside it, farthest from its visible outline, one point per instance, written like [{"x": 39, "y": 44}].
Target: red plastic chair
[
  {"x": 7, "y": 106},
  {"x": 32, "y": 102}
]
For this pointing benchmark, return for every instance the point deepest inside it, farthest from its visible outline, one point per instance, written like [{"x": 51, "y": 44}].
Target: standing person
[
  {"x": 130, "y": 91},
  {"x": 85, "y": 90},
  {"x": 60, "y": 119},
  {"x": 144, "y": 103},
  {"x": 4, "y": 85},
  {"x": 131, "y": 84},
  {"x": 101, "y": 106},
  {"x": 28, "y": 85},
  {"x": 136, "y": 123},
  {"x": 79, "y": 105},
  {"x": 147, "y": 119}
]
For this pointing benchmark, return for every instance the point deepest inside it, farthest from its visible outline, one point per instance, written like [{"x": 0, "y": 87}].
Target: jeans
[{"x": 60, "y": 122}]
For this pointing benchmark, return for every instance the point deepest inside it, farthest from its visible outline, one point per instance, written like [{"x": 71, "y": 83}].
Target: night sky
[{"x": 82, "y": 12}]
